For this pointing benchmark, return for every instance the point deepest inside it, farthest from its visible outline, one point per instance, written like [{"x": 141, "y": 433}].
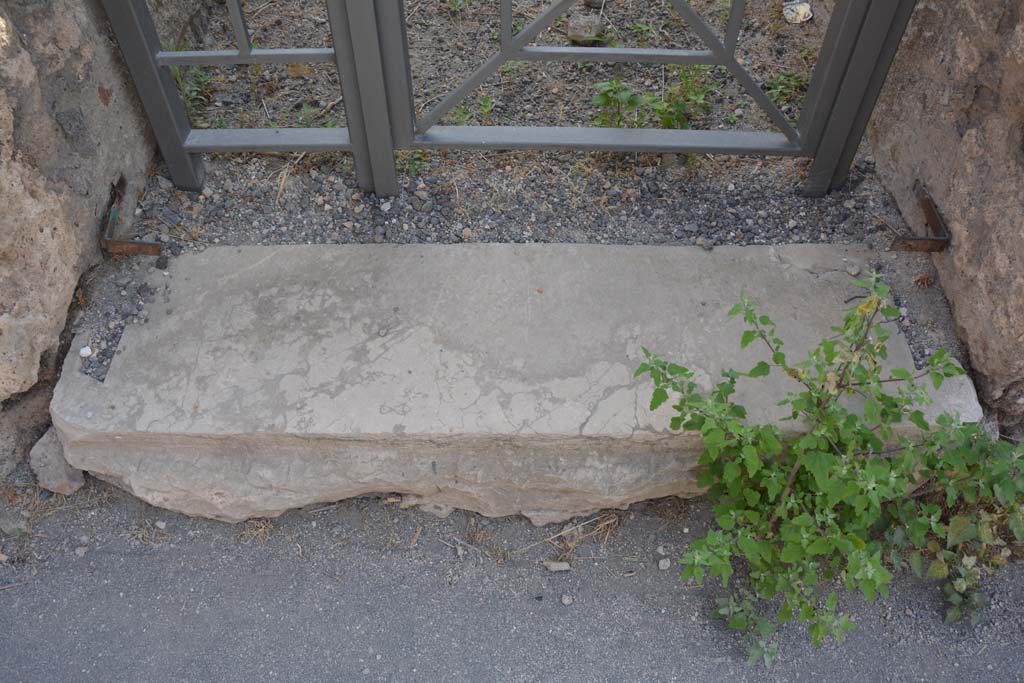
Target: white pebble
[{"x": 85, "y": 352}]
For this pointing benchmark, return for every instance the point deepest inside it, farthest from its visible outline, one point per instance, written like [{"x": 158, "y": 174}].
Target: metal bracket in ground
[
  {"x": 939, "y": 238},
  {"x": 110, "y": 244}
]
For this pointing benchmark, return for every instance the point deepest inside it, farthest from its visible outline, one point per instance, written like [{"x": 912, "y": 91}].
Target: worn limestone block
[
  {"x": 952, "y": 117},
  {"x": 494, "y": 378},
  {"x": 51, "y": 469}
]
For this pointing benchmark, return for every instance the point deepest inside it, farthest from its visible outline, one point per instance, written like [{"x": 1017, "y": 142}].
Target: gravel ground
[
  {"x": 523, "y": 197},
  {"x": 102, "y": 587}
]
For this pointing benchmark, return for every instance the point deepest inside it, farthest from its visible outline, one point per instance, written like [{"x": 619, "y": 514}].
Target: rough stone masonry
[
  {"x": 71, "y": 128},
  {"x": 952, "y": 117}
]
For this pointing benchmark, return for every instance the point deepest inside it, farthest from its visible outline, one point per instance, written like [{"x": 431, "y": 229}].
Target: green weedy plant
[
  {"x": 685, "y": 99},
  {"x": 850, "y": 501},
  {"x": 615, "y": 101}
]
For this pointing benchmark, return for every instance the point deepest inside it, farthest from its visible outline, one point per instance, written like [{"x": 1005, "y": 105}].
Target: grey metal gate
[{"x": 371, "y": 52}]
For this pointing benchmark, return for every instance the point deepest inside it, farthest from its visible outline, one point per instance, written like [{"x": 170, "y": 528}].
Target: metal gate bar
[
  {"x": 370, "y": 51},
  {"x": 867, "y": 65},
  {"x": 140, "y": 44}
]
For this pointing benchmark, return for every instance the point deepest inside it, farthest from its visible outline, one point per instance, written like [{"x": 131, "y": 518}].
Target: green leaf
[
  {"x": 916, "y": 564},
  {"x": 750, "y": 548},
  {"x": 731, "y": 471},
  {"x": 872, "y": 411},
  {"x": 917, "y": 417},
  {"x": 1017, "y": 524},
  {"x": 792, "y": 553},
  {"x": 748, "y": 337},
  {"x": 937, "y": 379},
  {"x": 762, "y": 369},
  {"x": 769, "y": 443},
  {"x": 819, "y": 464},
  {"x": 961, "y": 529},
  {"x": 751, "y": 459},
  {"x": 938, "y": 569},
  {"x": 659, "y": 398},
  {"x": 819, "y": 546}
]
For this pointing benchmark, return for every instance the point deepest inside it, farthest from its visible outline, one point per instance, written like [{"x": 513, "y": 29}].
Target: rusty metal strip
[
  {"x": 939, "y": 238},
  {"x": 125, "y": 247}
]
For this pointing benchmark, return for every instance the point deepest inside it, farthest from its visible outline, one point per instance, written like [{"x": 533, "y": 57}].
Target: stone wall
[
  {"x": 71, "y": 128},
  {"x": 952, "y": 116}
]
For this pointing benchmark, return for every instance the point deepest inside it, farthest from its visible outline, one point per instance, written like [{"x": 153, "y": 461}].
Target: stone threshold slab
[{"x": 493, "y": 378}]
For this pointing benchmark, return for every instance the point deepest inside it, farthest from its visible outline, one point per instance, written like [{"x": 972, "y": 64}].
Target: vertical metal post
[
  {"x": 139, "y": 42},
  {"x": 345, "y": 59},
  {"x": 358, "y": 54},
  {"x": 394, "y": 50},
  {"x": 836, "y": 131}
]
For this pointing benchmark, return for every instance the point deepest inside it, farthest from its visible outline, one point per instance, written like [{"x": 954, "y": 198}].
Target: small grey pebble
[
  {"x": 664, "y": 564},
  {"x": 567, "y": 600}
]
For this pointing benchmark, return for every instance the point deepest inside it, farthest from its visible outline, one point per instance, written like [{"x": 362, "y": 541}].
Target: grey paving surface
[{"x": 363, "y": 591}]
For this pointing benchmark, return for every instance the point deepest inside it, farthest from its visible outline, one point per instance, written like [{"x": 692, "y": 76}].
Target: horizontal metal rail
[
  {"x": 615, "y": 54},
  {"x": 269, "y": 140},
  {"x": 309, "y": 55},
  {"x": 608, "y": 139}
]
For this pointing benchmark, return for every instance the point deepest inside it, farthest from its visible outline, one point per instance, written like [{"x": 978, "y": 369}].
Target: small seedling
[
  {"x": 461, "y": 115},
  {"x": 307, "y": 114},
  {"x": 787, "y": 87},
  {"x": 615, "y": 101},
  {"x": 486, "y": 106},
  {"x": 413, "y": 162},
  {"x": 457, "y": 6},
  {"x": 643, "y": 32}
]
